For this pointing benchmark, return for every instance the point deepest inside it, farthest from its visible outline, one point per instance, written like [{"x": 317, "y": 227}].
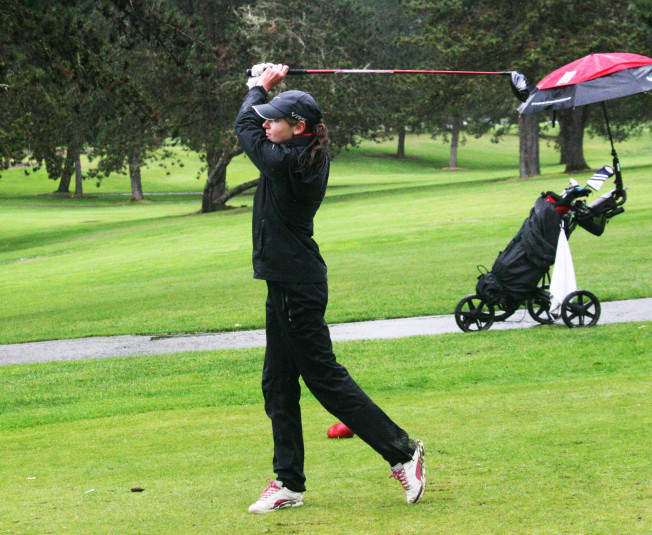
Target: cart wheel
[
  {"x": 504, "y": 312},
  {"x": 539, "y": 308},
  {"x": 474, "y": 314},
  {"x": 580, "y": 309}
]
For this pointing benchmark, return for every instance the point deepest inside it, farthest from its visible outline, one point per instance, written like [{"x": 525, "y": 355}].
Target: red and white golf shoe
[
  {"x": 412, "y": 475},
  {"x": 274, "y": 498}
]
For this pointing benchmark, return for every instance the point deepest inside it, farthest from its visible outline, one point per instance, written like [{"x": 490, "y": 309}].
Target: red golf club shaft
[
  {"x": 518, "y": 83},
  {"x": 385, "y": 71}
]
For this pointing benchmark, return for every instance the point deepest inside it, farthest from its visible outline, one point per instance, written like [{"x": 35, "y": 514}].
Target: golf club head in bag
[
  {"x": 593, "y": 184},
  {"x": 599, "y": 177}
]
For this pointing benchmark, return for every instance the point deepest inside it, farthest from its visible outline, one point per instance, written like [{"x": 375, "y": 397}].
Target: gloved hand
[{"x": 256, "y": 71}]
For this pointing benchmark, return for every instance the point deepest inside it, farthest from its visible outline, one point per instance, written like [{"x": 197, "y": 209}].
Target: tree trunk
[
  {"x": 215, "y": 190},
  {"x": 571, "y": 138},
  {"x": 216, "y": 183},
  {"x": 455, "y": 142},
  {"x": 528, "y": 137},
  {"x": 79, "y": 188},
  {"x": 134, "y": 174},
  {"x": 563, "y": 157},
  {"x": 68, "y": 169},
  {"x": 400, "y": 150}
]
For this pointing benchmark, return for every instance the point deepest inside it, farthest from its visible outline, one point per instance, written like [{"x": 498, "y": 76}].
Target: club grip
[{"x": 290, "y": 72}]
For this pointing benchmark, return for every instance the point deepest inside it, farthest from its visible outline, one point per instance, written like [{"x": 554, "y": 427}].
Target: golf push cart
[{"x": 520, "y": 276}]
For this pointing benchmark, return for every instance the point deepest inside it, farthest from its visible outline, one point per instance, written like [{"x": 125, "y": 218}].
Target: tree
[
  {"x": 199, "y": 83},
  {"x": 528, "y": 131},
  {"x": 466, "y": 35},
  {"x": 125, "y": 137},
  {"x": 567, "y": 31},
  {"x": 398, "y": 103},
  {"x": 146, "y": 68},
  {"x": 339, "y": 33},
  {"x": 266, "y": 31},
  {"x": 535, "y": 38},
  {"x": 42, "y": 97},
  {"x": 60, "y": 82}
]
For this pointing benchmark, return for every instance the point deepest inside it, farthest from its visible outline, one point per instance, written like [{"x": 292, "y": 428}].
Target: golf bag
[
  {"x": 516, "y": 272},
  {"x": 521, "y": 273}
]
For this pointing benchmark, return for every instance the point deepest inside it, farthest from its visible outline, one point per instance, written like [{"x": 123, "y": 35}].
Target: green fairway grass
[
  {"x": 537, "y": 431},
  {"x": 401, "y": 238},
  {"x": 549, "y": 439}
]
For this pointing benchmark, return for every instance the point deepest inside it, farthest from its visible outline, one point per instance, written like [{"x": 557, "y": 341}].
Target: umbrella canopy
[{"x": 593, "y": 78}]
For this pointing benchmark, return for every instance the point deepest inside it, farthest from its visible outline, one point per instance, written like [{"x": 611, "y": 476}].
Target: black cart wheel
[
  {"x": 539, "y": 308},
  {"x": 472, "y": 313},
  {"x": 580, "y": 309}
]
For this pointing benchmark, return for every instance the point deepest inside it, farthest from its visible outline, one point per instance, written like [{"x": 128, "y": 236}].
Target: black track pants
[{"x": 299, "y": 344}]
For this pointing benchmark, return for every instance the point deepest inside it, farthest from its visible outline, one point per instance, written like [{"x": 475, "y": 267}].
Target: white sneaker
[
  {"x": 276, "y": 497},
  {"x": 412, "y": 475}
]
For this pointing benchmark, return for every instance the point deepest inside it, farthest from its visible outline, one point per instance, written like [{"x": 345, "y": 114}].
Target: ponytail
[{"x": 317, "y": 151}]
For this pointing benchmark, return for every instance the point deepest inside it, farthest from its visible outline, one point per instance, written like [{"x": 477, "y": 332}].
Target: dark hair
[{"x": 317, "y": 150}]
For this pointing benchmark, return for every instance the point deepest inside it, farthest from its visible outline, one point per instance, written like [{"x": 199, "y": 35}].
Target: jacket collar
[{"x": 300, "y": 141}]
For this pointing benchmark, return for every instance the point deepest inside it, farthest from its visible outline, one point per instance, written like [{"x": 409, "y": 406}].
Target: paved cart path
[{"x": 133, "y": 345}]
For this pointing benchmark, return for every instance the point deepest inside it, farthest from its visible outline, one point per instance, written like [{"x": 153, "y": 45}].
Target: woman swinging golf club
[{"x": 287, "y": 141}]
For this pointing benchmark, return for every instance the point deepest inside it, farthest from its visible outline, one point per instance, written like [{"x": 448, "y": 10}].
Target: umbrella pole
[{"x": 616, "y": 162}]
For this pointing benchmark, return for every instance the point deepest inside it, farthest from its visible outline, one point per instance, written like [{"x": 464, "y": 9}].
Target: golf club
[{"x": 517, "y": 81}]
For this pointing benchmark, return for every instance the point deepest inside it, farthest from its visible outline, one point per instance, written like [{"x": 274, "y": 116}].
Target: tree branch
[{"x": 229, "y": 194}]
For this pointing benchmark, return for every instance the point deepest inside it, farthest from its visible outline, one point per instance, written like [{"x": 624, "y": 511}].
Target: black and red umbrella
[{"x": 593, "y": 78}]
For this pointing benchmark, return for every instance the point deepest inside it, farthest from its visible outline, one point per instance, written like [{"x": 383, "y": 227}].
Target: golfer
[{"x": 286, "y": 140}]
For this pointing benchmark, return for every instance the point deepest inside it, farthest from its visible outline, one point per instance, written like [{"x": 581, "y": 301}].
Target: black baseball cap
[{"x": 295, "y": 104}]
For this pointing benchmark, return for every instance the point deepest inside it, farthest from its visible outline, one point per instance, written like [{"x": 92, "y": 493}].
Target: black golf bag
[{"x": 516, "y": 272}]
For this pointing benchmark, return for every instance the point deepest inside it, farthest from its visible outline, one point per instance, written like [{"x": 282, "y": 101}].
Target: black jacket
[{"x": 285, "y": 202}]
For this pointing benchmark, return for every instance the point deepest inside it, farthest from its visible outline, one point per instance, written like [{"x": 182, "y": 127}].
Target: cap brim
[{"x": 267, "y": 111}]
